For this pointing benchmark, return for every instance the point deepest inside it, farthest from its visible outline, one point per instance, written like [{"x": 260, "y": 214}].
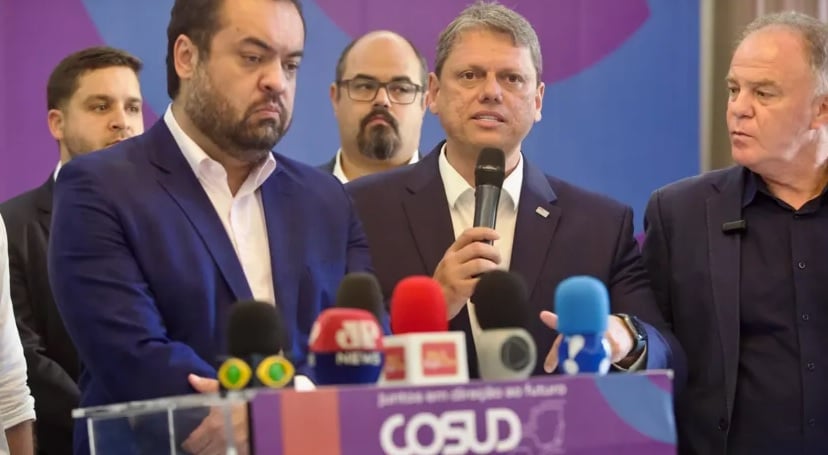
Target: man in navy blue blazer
[
  {"x": 155, "y": 238},
  {"x": 487, "y": 91},
  {"x": 738, "y": 256}
]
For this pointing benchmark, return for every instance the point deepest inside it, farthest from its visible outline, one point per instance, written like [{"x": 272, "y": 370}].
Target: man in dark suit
[
  {"x": 153, "y": 240},
  {"x": 94, "y": 100},
  {"x": 738, "y": 256},
  {"x": 486, "y": 90},
  {"x": 379, "y": 104}
]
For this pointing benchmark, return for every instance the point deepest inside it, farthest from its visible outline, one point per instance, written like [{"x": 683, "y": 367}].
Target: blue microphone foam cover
[{"x": 582, "y": 305}]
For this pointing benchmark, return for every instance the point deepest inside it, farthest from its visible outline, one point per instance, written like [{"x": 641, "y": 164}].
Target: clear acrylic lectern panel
[{"x": 158, "y": 427}]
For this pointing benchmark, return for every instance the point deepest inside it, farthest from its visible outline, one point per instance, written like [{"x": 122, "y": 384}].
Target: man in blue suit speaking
[
  {"x": 155, "y": 238},
  {"x": 487, "y": 90}
]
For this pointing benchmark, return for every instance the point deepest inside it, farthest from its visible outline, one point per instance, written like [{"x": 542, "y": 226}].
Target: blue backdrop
[{"x": 620, "y": 115}]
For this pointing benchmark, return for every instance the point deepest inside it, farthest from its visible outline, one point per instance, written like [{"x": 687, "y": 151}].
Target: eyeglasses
[{"x": 364, "y": 89}]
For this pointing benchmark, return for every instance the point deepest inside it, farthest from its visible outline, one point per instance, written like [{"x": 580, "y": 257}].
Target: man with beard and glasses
[
  {"x": 378, "y": 99},
  {"x": 156, "y": 238},
  {"x": 94, "y": 100}
]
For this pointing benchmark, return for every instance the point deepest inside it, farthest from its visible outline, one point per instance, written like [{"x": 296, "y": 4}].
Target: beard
[
  {"x": 76, "y": 145},
  {"x": 379, "y": 142},
  {"x": 240, "y": 136}
]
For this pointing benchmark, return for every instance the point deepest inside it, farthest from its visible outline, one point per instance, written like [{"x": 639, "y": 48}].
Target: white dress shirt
[
  {"x": 242, "y": 215},
  {"x": 460, "y": 197},
  {"x": 16, "y": 401},
  {"x": 340, "y": 174}
]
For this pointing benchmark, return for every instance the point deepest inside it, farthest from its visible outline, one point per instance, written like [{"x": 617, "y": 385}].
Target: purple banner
[{"x": 618, "y": 414}]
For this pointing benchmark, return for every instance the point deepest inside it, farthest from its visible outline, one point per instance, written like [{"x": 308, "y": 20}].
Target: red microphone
[
  {"x": 417, "y": 306},
  {"x": 346, "y": 347},
  {"x": 422, "y": 350}
]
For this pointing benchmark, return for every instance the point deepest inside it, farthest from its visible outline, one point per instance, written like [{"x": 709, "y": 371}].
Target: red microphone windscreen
[
  {"x": 345, "y": 329},
  {"x": 417, "y": 306}
]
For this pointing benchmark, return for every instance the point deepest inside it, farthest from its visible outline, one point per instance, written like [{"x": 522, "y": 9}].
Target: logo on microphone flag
[
  {"x": 275, "y": 371},
  {"x": 439, "y": 358},
  {"x": 394, "y": 363},
  {"x": 234, "y": 374}
]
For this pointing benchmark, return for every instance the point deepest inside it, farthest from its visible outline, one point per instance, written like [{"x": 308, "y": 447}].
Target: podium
[
  {"x": 612, "y": 414},
  {"x": 157, "y": 426}
]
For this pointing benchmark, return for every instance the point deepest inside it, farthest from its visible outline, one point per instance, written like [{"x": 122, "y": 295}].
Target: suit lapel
[
  {"x": 427, "y": 212},
  {"x": 725, "y": 261},
  {"x": 283, "y": 236},
  {"x": 533, "y": 230},
  {"x": 44, "y": 204},
  {"x": 330, "y": 165},
  {"x": 178, "y": 179}
]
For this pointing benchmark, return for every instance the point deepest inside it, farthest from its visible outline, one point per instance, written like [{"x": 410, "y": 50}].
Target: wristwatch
[{"x": 638, "y": 332}]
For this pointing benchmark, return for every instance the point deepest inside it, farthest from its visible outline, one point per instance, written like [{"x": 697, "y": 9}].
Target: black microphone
[
  {"x": 505, "y": 349},
  {"x": 734, "y": 227},
  {"x": 362, "y": 291},
  {"x": 489, "y": 174},
  {"x": 255, "y": 340}
]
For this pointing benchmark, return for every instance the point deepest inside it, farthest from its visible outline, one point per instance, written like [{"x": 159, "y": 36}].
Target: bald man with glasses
[{"x": 378, "y": 98}]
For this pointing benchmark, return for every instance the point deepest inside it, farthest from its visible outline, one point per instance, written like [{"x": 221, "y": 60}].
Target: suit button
[
  {"x": 811, "y": 366},
  {"x": 723, "y": 425},
  {"x": 806, "y": 316},
  {"x": 801, "y": 265},
  {"x": 811, "y": 422}
]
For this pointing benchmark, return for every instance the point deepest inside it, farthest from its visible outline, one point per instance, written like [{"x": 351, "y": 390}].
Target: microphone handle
[
  {"x": 584, "y": 353},
  {"x": 486, "y": 198}
]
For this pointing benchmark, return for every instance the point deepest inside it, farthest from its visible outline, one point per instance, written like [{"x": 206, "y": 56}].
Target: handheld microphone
[
  {"x": 422, "y": 351},
  {"x": 254, "y": 342},
  {"x": 582, "y": 306},
  {"x": 346, "y": 347},
  {"x": 505, "y": 349},
  {"x": 489, "y": 174},
  {"x": 360, "y": 290}
]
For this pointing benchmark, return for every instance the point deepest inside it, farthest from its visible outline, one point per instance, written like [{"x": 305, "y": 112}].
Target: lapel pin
[{"x": 542, "y": 212}]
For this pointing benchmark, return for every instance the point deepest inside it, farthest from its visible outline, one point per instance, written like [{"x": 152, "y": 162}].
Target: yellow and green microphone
[{"x": 254, "y": 345}]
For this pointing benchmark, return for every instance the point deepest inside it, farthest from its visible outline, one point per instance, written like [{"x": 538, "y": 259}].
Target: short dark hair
[
  {"x": 200, "y": 21},
  {"x": 340, "y": 64},
  {"x": 63, "y": 82}
]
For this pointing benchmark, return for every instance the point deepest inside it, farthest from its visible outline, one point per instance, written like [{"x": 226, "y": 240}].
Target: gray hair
[
  {"x": 495, "y": 17},
  {"x": 814, "y": 34}
]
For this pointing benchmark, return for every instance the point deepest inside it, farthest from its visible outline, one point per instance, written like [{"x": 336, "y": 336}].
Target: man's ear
[
  {"x": 821, "y": 115},
  {"x": 433, "y": 92},
  {"x": 185, "y": 57},
  {"x": 56, "y": 122}
]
